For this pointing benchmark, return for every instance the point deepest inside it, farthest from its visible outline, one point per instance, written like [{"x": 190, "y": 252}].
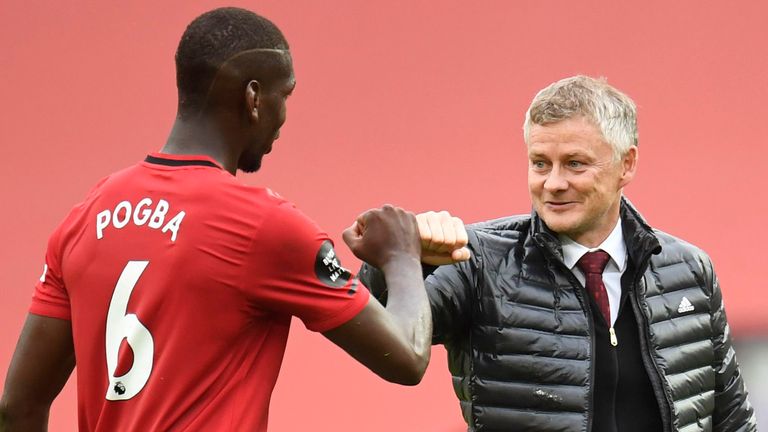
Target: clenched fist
[
  {"x": 380, "y": 236},
  {"x": 443, "y": 238}
]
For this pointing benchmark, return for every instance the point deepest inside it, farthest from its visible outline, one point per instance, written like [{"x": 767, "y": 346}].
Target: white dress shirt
[{"x": 615, "y": 247}]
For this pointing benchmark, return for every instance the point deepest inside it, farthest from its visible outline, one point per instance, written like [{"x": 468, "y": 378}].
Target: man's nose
[{"x": 555, "y": 181}]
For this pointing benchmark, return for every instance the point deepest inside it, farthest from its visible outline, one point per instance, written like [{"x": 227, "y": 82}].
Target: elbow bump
[
  {"x": 409, "y": 378},
  {"x": 409, "y": 374},
  {"x": 415, "y": 372}
]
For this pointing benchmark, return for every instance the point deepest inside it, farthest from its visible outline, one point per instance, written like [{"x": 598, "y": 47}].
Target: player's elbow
[
  {"x": 409, "y": 372},
  {"x": 406, "y": 378},
  {"x": 412, "y": 377},
  {"x": 3, "y": 417}
]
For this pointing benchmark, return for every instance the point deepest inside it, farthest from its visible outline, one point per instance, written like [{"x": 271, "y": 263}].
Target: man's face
[
  {"x": 272, "y": 115},
  {"x": 574, "y": 182}
]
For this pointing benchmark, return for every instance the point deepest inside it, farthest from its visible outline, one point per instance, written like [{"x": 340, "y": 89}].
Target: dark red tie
[{"x": 593, "y": 264}]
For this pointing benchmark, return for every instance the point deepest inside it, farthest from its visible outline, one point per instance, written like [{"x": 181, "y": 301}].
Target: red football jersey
[{"x": 180, "y": 284}]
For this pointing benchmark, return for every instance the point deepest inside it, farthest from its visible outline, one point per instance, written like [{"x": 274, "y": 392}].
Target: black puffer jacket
[{"x": 516, "y": 326}]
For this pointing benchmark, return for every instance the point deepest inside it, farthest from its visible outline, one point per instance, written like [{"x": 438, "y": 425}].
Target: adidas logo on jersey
[{"x": 685, "y": 306}]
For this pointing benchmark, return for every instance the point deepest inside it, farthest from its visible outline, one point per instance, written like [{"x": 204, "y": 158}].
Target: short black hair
[{"x": 213, "y": 38}]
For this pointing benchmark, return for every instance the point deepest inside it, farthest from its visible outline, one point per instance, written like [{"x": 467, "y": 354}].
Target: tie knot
[{"x": 593, "y": 262}]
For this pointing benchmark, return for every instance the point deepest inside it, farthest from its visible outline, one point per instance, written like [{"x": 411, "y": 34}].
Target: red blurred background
[{"x": 419, "y": 104}]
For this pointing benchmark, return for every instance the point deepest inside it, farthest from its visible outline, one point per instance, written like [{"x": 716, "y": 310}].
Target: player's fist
[
  {"x": 443, "y": 238},
  {"x": 380, "y": 236}
]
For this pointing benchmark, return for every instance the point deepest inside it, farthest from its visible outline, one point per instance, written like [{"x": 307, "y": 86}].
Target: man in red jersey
[{"x": 173, "y": 285}]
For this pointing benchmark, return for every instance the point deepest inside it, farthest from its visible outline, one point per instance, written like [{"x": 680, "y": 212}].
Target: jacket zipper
[
  {"x": 614, "y": 340},
  {"x": 654, "y": 373},
  {"x": 588, "y": 314}
]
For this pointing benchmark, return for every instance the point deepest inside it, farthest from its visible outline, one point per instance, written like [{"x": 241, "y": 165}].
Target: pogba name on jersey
[{"x": 144, "y": 213}]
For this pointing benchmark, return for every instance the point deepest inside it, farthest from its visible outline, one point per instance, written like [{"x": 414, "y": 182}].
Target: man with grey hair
[{"x": 580, "y": 316}]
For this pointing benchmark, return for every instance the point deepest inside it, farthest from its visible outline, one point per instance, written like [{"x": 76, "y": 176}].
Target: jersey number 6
[{"x": 121, "y": 325}]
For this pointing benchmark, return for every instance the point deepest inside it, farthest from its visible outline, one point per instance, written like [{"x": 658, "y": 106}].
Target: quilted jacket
[{"x": 517, "y": 328}]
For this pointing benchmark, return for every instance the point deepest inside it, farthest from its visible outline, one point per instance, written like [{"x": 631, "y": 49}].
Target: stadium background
[{"x": 419, "y": 104}]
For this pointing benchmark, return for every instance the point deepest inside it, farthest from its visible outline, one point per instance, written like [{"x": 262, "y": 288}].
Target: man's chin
[
  {"x": 250, "y": 166},
  {"x": 558, "y": 223},
  {"x": 249, "y": 170}
]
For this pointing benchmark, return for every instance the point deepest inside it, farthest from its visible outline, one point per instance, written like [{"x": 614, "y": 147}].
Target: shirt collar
[
  {"x": 176, "y": 160},
  {"x": 613, "y": 245}
]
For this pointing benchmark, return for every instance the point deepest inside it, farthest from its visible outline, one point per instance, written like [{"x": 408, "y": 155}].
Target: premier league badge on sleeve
[{"x": 328, "y": 268}]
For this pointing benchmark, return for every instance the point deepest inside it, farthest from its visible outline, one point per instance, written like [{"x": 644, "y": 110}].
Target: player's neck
[{"x": 200, "y": 138}]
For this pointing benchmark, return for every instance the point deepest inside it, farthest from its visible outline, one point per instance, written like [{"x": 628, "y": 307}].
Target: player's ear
[
  {"x": 252, "y": 99},
  {"x": 628, "y": 166}
]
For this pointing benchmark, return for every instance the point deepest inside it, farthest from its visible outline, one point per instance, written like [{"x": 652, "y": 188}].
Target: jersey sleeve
[
  {"x": 50, "y": 297},
  {"x": 296, "y": 271}
]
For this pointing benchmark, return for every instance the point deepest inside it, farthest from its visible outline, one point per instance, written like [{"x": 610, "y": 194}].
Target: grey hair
[{"x": 613, "y": 112}]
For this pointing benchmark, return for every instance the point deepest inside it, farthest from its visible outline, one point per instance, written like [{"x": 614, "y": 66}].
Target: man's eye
[
  {"x": 575, "y": 164},
  {"x": 538, "y": 164}
]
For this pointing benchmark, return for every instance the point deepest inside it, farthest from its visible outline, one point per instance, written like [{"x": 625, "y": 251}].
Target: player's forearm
[
  {"x": 43, "y": 360},
  {"x": 18, "y": 419},
  {"x": 408, "y": 304}
]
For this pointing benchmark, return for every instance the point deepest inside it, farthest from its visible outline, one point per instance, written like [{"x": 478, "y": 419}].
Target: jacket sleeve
[
  {"x": 451, "y": 290},
  {"x": 733, "y": 412}
]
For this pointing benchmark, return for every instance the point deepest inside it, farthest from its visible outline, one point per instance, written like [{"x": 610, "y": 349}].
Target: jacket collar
[{"x": 638, "y": 235}]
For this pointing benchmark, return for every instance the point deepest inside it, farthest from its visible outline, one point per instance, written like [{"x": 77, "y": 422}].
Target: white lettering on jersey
[
  {"x": 45, "y": 271},
  {"x": 121, "y": 221},
  {"x": 159, "y": 215},
  {"x": 141, "y": 214},
  {"x": 174, "y": 224}
]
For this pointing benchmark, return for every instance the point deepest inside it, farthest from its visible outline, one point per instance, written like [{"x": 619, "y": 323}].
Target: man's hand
[
  {"x": 443, "y": 238},
  {"x": 381, "y": 236},
  {"x": 394, "y": 342}
]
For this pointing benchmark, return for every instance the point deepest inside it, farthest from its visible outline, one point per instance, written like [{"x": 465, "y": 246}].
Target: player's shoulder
[
  {"x": 259, "y": 199},
  {"x": 281, "y": 224},
  {"x": 284, "y": 213},
  {"x": 267, "y": 197},
  {"x": 259, "y": 205},
  {"x": 104, "y": 186},
  {"x": 92, "y": 195},
  {"x": 77, "y": 216}
]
